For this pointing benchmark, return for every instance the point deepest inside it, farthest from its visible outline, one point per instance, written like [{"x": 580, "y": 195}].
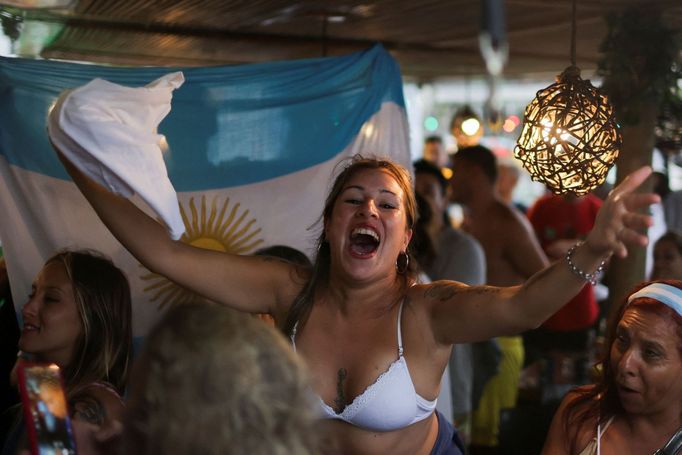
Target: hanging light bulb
[
  {"x": 471, "y": 126},
  {"x": 570, "y": 138},
  {"x": 466, "y": 127}
]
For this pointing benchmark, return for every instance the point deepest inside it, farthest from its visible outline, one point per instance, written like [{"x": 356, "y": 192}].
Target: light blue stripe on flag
[{"x": 229, "y": 125}]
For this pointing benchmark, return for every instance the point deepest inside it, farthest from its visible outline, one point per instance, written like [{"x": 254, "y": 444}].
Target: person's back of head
[{"x": 212, "y": 381}]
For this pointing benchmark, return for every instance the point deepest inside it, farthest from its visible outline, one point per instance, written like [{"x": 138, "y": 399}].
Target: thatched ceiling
[{"x": 430, "y": 38}]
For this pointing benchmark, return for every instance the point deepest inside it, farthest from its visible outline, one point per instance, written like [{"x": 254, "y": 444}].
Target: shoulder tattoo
[
  {"x": 441, "y": 292},
  {"x": 89, "y": 409}
]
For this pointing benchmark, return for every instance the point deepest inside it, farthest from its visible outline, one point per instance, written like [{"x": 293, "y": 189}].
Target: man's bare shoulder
[
  {"x": 504, "y": 212},
  {"x": 511, "y": 219}
]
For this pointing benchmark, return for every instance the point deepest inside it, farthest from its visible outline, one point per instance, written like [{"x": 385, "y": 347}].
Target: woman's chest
[
  {"x": 618, "y": 440},
  {"x": 343, "y": 366}
]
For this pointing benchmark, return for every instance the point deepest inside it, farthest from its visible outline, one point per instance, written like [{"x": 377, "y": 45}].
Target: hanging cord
[
  {"x": 572, "y": 72},
  {"x": 573, "y": 27},
  {"x": 492, "y": 41}
]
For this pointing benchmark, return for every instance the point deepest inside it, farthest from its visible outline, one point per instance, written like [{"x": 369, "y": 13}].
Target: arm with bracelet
[{"x": 485, "y": 311}]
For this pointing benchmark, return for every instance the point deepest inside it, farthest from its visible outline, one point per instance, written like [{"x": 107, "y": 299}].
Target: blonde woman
[{"x": 78, "y": 316}]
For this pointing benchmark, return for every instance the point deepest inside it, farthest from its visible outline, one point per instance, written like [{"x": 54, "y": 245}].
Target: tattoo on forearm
[
  {"x": 89, "y": 409},
  {"x": 485, "y": 290},
  {"x": 444, "y": 292},
  {"x": 340, "y": 400}
]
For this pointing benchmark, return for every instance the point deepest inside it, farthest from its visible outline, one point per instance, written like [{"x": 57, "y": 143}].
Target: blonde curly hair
[{"x": 210, "y": 380}]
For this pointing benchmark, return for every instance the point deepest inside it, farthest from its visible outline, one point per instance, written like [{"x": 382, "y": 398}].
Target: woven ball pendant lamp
[{"x": 570, "y": 138}]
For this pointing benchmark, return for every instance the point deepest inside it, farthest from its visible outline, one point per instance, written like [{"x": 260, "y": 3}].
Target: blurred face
[
  {"x": 368, "y": 226},
  {"x": 462, "y": 181},
  {"x": 647, "y": 363},
  {"x": 51, "y": 321},
  {"x": 506, "y": 181},
  {"x": 435, "y": 153},
  {"x": 428, "y": 187},
  {"x": 667, "y": 261}
]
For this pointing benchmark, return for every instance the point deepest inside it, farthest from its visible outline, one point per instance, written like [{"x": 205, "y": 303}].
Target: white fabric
[
  {"x": 664, "y": 293},
  {"x": 390, "y": 403},
  {"x": 109, "y": 132}
]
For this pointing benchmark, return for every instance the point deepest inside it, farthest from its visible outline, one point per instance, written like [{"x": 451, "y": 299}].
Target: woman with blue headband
[{"x": 636, "y": 405}]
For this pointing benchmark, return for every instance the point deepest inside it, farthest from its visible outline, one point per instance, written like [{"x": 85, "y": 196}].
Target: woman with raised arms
[{"x": 375, "y": 342}]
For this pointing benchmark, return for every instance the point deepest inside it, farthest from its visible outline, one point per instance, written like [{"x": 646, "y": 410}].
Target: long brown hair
[
  {"x": 601, "y": 401},
  {"x": 102, "y": 295},
  {"x": 300, "y": 309}
]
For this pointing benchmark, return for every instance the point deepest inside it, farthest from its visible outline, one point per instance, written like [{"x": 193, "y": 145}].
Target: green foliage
[{"x": 640, "y": 63}]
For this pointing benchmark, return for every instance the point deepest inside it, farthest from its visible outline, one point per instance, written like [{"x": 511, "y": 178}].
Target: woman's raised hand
[{"x": 620, "y": 222}]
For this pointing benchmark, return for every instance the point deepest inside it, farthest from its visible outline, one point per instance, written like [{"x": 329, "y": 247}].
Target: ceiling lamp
[
  {"x": 570, "y": 138},
  {"x": 466, "y": 127}
]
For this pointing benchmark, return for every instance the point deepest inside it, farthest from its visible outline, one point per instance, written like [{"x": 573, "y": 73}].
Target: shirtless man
[
  {"x": 512, "y": 251},
  {"x": 512, "y": 255}
]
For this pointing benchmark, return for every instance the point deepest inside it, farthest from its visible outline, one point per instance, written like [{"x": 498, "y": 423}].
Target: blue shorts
[{"x": 447, "y": 441}]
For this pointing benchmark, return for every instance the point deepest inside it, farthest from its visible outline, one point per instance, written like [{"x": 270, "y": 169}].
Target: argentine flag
[{"x": 251, "y": 153}]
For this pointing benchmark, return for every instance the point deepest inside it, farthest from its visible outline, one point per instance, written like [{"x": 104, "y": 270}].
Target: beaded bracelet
[{"x": 589, "y": 277}]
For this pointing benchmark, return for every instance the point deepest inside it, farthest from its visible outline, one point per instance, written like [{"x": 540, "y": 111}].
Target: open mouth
[
  {"x": 30, "y": 328},
  {"x": 364, "y": 242},
  {"x": 626, "y": 389}
]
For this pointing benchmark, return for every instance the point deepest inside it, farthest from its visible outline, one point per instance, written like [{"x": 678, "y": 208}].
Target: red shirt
[{"x": 556, "y": 218}]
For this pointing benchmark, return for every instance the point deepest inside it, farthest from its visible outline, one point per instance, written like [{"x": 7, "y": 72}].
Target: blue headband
[{"x": 664, "y": 293}]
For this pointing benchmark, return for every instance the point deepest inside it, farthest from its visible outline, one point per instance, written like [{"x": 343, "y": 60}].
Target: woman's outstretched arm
[
  {"x": 247, "y": 283},
  {"x": 460, "y": 313}
]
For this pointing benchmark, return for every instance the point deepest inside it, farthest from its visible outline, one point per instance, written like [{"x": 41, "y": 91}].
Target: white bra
[
  {"x": 390, "y": 403},
  {"x": 594, "y": 446}
]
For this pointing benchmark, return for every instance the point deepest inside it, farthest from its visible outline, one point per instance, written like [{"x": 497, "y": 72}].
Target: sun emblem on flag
[{"x": 228, "y": 229}]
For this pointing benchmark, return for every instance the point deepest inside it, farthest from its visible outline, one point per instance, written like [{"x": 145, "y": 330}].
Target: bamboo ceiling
[{"x": 430, "y": 38}]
